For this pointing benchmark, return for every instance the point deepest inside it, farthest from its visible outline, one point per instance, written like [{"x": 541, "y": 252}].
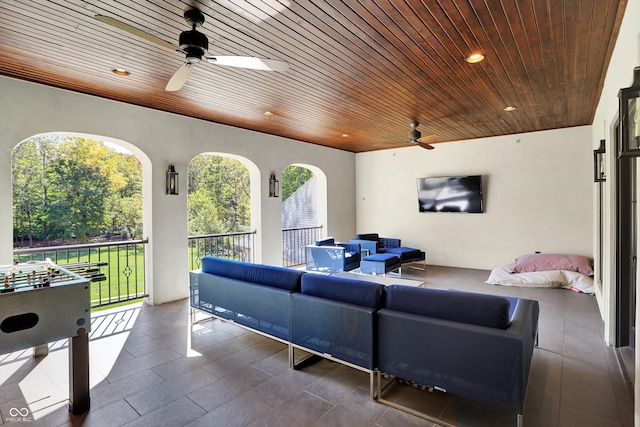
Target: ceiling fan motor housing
[
  {"x": 194, "y": 44},
  {"x": 414, "y": 135}
]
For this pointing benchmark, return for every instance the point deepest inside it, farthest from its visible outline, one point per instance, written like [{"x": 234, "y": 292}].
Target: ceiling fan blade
[
  {"x": 426, "y": 146},
  {"x": 250, "y": 62},
  {"x": 179, "y": 78},
  {"x": 135, "y": 31},
  {"x": 428, "y": 138}
]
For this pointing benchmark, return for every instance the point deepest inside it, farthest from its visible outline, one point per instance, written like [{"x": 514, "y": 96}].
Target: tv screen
[{"x": 450, "y": 194}]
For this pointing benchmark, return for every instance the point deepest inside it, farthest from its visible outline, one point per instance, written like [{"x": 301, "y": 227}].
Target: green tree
[
  {"x": 294, "y": 177},
  {"x": 74, "y": 188},
  {"x": 219, "y": 195}
]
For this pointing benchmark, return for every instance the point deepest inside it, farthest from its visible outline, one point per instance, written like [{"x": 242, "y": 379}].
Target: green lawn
[
  {"x": 124, "y": 273},
  {"x": 125, "y": 279}
]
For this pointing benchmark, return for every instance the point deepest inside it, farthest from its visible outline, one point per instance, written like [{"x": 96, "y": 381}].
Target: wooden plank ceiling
[{"x": 361, "y": 70}]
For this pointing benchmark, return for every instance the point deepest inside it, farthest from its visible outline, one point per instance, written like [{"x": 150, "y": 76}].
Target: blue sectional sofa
[
  {"x": 252, "y": 295},
  {"x": 335, "y": 317},
  {"x": 473, "y": 345}
]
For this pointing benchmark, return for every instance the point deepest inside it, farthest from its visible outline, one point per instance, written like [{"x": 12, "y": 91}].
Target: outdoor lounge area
[
  {"x": 528, "y": 111},
  {"x": 150, "y": 367}
]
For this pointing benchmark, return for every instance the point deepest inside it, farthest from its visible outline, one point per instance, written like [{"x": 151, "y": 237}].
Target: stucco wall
[
  {"x": 28, "y": 109},
  {"x": 537, "y": 197}
]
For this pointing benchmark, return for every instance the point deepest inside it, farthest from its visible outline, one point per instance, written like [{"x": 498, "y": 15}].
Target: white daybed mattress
[{"x": 578, "y": 282}]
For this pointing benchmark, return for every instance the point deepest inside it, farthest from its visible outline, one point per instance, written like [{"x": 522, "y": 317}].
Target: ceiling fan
[
  {"x": 415, "y": 137},
  {"x": 195, "y": 46}
]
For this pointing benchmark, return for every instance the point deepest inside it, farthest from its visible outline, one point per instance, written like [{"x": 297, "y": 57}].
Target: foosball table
[{"x": 41, "y": 302}]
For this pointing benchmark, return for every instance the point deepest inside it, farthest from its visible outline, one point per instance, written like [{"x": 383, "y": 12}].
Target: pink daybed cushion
[{"x": 549, "y": 262}]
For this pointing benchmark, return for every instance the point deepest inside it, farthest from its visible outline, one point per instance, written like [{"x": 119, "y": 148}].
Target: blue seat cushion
[
  {"x": 267, "y": 275},
  {"x": 388, "y": 259},
  {"x": 466, "y": 307},
  {"x": 405, "y": 253},
  {"x": 352, "y": 291}
]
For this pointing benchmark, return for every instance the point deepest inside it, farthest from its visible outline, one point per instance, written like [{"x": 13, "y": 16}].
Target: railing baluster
[
  {"x": 294, "y": 241},
  {"x": 103, "y": 292}
]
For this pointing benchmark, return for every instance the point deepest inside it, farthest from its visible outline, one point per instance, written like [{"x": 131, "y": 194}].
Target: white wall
[
  {"x": 625, "y": 57},
  {"x": 29, "y": 109},
  {"x": 537, "y": 197}
]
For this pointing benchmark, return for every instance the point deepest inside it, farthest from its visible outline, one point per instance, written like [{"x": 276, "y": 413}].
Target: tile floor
[{"x": 150, "y": 367}]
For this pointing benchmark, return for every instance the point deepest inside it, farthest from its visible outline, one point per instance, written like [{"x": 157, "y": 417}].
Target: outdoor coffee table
[{"x": 383, "y": 280}]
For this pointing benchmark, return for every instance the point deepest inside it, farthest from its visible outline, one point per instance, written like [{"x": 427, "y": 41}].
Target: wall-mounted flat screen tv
[{"x": 450, "y": 194}]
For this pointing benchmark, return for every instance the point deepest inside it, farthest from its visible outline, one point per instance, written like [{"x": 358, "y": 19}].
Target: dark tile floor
[{"x": 150, "y": 367}]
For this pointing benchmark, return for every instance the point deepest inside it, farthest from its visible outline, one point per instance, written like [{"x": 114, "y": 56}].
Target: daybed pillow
[{"x": 550, "y": 262}]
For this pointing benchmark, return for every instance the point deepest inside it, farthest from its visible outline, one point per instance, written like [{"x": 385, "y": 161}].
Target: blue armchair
[
  {"x": 376, "y": 244},
  {"x": 329, "y": 256},
  {"x": 390, "y": 246}
]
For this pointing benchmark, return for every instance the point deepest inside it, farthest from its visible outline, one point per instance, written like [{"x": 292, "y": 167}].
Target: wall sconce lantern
[
  {"x": 598, "y": 163},
  {"x": 274, "y": 186},
  {"x": 629, "y": 117},
  {"x": 172, "y": 180}
]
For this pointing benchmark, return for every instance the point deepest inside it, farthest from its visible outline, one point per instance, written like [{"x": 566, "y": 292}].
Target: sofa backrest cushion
[
  {"x": 352, "y": 291},
  {"x": 466, "y": 307},
  {"x": 368, "y": 236},
  {"x": 267, "y": 275},
  {"x": 329, "y": 241}
]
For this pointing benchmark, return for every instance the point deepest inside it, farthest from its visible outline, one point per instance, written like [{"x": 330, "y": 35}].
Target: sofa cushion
[
  {"x": 352, "y": 291},
  {"x": 268, "y": 275},
  {"x": 386, "y": 258},
  {"x": 329, "y": 241},
  {"x": 405, "y": 253},
  {"x": 466, "y": 307},
  {"x": 368, "y": 236}
]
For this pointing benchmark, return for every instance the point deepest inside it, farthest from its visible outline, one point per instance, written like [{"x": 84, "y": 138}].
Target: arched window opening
[
  {"x": 219, "y": 209},
  {"x": 78, "y": 202},
  {"x": 300, "y": 216}
]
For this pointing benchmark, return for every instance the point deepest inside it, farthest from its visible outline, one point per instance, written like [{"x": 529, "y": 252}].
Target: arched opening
[
  {"x": 79, "y": 201},
  {"x": 303, "y": 210},
  {"x": 221, "y": 220}
]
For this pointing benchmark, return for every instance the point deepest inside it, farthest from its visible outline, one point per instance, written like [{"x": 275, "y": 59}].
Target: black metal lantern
[
  {"x": 598, "y": 163},
  {"x": 630, "y": 118},
  {"x": 274, "y": 186},
  {"x": 172, "y": 180}
]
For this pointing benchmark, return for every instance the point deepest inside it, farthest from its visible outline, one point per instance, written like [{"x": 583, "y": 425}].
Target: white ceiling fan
[{"x": 195, "y": 46}]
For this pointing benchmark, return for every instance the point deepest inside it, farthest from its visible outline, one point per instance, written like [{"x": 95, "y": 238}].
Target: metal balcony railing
[
  {"x": 116, "y": 269},
  {"x": 238, "y": 246},
  {"x": 294, "y": 240}
]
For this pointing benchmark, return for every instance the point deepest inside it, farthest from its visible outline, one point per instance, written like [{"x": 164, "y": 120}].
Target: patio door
[{"x": 626, "y": 260}]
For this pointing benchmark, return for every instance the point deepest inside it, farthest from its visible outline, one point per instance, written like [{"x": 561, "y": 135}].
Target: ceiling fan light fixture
[{"x": 475, "y": 58}]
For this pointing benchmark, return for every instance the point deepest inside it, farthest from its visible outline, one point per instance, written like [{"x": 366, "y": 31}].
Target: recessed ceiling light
[
  {"x": 344, "y": 135},
  {"x": 120, "y": 71},
  {"x": 267, "y": 113},
  {"x": 509, "y": 108},
  {"x": 476, "y": 57}
]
